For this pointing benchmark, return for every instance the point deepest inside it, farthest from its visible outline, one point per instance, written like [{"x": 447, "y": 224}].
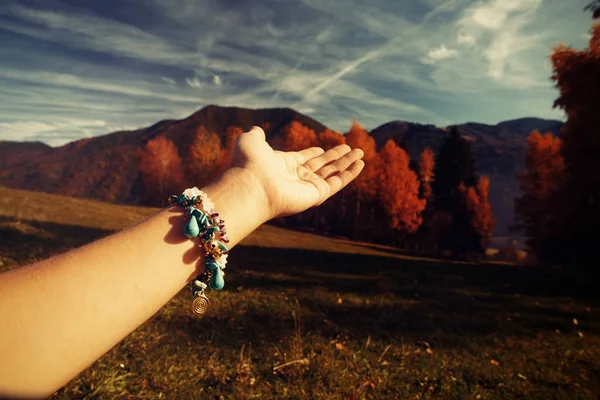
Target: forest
[{"x": 437, "y": 204}]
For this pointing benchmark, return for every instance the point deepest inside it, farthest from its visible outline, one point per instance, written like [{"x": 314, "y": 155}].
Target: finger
[
  {"x": 340, "y": 164},
  {"x": 303, "y": 156},
  {"x": 339, "y": 181},
  {"x": 253, "y": 136},
  {"x": 330, "y": 155}
]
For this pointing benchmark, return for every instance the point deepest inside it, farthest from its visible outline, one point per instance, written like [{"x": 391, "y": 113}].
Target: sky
[{"x": 81, "y": 68}]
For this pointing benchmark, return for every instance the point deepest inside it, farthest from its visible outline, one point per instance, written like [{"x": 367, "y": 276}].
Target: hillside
[
  {"x": 303, "y": 314},
  {"x": 53, "y": 223},
  {"x": 105, "y": 167}
]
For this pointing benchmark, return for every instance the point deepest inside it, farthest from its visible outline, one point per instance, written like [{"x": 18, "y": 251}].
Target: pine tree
[
  {"x": 455, "y": 171},
  {"x": 594, "y": 7}
]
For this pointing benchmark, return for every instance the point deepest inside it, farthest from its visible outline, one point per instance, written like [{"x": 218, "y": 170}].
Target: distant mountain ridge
[{"x": 105, "y": 167}]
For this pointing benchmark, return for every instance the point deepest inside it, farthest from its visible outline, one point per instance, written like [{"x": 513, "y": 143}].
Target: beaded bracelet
[{"x": 204, "y": 222}]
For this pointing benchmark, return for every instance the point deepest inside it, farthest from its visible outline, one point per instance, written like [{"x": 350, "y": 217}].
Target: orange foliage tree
[
  {"x": 478, "y": 203},
  {"x": 399, "y": 192},
  {"x": 299, "y": 137},
  {"x": 204, "y": 157},
  {"x": 362, "y": 191},
  {"x": 537, "y": 210},
  {"x": 365, "y": 184},
  {"x": 161, "y": 169},
  {"x": 577, "y": 76},
  {"x": 426, "y": 168},
  {"x": 231, "y": 134},
  {"x": 329, "y": 139}
]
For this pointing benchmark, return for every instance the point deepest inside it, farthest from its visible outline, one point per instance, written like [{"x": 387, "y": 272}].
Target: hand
[{"x": 295, "y": 181}]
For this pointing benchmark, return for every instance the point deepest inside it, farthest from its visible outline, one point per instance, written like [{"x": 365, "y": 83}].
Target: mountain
[
  {"x": 105, "y": 167},
  {"x": 499, "y": 151}
]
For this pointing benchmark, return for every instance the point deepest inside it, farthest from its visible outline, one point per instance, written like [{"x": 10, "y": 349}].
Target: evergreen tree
[
  {"x": 455, "y": 172},
  {"x": 594, "y": 7}
]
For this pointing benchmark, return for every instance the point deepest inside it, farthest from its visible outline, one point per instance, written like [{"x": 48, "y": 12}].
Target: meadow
[{"x": 306, "y": 316}]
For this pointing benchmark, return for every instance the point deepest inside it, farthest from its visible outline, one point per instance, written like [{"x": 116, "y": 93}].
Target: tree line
[
  {"x": 438, "y": 205},
  {"x": 559, "y": 209}
]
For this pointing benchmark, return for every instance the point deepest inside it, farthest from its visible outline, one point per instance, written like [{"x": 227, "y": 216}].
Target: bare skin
[{"x": 59, "y": 315}]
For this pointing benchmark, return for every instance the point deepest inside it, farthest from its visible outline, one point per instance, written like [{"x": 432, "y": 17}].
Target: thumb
[
  {"x": 248, "y": 143},
  {"x": 254, "y": 136}
]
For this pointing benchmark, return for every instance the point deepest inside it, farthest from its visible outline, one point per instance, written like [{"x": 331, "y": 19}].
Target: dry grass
[{"x": 304, "y": 316}]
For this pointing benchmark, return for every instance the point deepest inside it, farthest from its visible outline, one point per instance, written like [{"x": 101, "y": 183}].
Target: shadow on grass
[
  {"x": 442, "y": 302},
  {"x": 357, "y": 295},
  {"x": 25, "y": 241}
]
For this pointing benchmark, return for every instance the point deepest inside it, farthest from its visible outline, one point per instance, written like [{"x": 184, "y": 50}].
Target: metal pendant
[{"x": 200, "y": 304}]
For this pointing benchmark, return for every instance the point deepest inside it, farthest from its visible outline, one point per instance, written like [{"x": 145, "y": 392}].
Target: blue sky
[{"x": 81, "y": 68}]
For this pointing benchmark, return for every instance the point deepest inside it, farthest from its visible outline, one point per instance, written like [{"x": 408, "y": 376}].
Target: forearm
[{"x": 60, "y": 315}]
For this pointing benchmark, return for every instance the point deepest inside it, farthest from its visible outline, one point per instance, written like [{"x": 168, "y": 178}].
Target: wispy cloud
[
  {"x": 466, "y": 39},
  {"x": 171, "y": 82},
  {"x": 438, "y": 54},
  {"x": 193, "y": 82},
  {"x": 91, "y": 32},
  {"x": 430, "y": 61}
]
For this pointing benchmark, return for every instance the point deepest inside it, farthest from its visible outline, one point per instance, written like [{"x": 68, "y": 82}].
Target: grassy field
[{"x": 303, "y": 316}]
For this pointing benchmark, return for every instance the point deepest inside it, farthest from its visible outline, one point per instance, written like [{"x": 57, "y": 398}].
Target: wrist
[
  {"x": 252, "y": 190},
  {"x": 241, "y": 202}
]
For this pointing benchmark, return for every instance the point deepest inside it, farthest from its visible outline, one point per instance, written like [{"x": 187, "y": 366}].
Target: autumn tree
[
  {"x": 327, "y": 217},
  {"x": 399, "y": 190},
  {"x": 455, "y": 172},
  {"x": 329, "y": 139},
  {"x": 364, "y": 184},
  {"x": 231, "y": 135},
  {"x": 537, "y": 212},
  {"x": 482, "y": 220},
  {"x": 297, "y": 137},
  {"x": 203, "y": 158},
  {"x": 577, "y": 76},
  {"x": 161, "y": 169},
  {"x": 426, "y": 171},
  {"x": 362, "y": 191}
]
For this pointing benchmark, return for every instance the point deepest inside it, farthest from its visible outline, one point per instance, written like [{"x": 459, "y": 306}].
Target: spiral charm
[{"x": 200, "y": 304}]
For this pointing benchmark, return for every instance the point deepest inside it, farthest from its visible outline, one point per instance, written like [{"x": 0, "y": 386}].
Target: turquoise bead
[
  {"x": 210, "y": 265},
  {"x": 212, "y": 229},
  {"x": 191, "y": 229},
  {"x": 216, "y": 281},
  {"x": 181, "y": 199},
  {"x": 201, "y": 218},
  {"x": 209, "y": 231},
  {"x": 222, "y": 246}
]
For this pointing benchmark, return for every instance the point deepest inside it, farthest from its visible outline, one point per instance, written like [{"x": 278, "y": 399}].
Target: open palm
[{"x": 296, "y": 180}]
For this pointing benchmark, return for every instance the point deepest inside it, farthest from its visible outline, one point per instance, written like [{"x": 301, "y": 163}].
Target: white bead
[
  {"x": 222, "y": 260},
  {"x": 199, "y": 284},
  {"x": 191, "y": 192}
]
